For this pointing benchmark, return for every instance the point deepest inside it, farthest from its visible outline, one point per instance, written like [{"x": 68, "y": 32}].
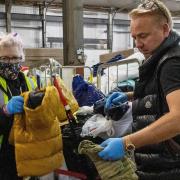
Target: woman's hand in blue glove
[
  {"x": 15, "y": 105},
  {"x": 115, "y": 98},
  {"x": 113, "y": 149}
]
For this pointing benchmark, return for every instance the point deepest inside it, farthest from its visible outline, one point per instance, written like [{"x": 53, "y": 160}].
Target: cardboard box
[
  {"x": 38, "y": 56},
  {"x": 106, "y": 57}
]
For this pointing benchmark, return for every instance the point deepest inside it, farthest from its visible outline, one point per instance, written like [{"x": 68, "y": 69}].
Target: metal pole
[
  {"x": 42, "y": 13},
  {"x": 110, "y": 30},
  {"x": 8, "y": 5}
]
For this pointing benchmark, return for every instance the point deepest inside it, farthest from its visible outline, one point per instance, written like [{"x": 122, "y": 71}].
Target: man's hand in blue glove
[
  {"x": 115, "y": 98},
  {"x": 113, "y": 149},
  {"x": 15, "y": 105}
]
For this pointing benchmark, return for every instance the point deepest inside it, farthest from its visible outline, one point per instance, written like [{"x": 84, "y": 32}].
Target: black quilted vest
[
  {"x": 155, "y": 161},
  {"x": 149, "y": 99}
]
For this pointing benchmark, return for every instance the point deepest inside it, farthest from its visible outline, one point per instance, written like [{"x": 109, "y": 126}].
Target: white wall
[{"x": 32, "y": 35}]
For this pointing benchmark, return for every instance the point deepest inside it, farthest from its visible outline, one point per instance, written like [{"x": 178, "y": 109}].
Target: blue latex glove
[
  {"x": 15, "y": 105},
  {"x": 115, "y": 98},
  {"x": 113, "y": 149}
]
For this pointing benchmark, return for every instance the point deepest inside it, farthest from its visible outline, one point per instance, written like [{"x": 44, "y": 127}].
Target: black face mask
[{"x": 9, "y": 71}]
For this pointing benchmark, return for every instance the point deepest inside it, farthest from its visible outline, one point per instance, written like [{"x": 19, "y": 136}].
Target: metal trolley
[{"x": 117, "y": 64}]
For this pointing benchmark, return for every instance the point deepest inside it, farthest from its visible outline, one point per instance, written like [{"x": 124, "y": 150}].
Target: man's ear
[{"x": 166, "y": 29}]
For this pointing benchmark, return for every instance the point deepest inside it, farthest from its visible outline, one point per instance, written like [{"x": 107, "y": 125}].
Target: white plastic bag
[
  {"x": 96, "y": 125},
  {"x": 84, "y": 110}
]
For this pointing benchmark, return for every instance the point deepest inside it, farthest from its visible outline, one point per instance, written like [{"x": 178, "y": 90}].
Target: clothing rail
[
  {"x": 55, "y": 68},
  {"x": 90, "y": 78},
  {"x": 116, "y": 64}
]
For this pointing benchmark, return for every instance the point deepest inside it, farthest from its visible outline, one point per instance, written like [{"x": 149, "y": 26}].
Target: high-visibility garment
[
  {"x": 31, "y": 83},
  {"x": 4, "y": 98}
]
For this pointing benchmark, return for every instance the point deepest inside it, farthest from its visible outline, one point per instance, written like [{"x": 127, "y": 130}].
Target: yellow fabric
[
  {"x": 5, "y": 100},
  {"x": 30, "y": 88},
  {"x": 33, "y": 86},
  {"x": 70, "y": 100},
  {"x": 90, "y": 78},
  {"x": 34, "y": 81},
  {"x": 37, "y": 135},
  {"x": 4, "y": 85}
]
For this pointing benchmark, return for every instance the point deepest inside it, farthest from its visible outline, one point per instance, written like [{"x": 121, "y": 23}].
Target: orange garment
[{"x": 71, "y": 101}]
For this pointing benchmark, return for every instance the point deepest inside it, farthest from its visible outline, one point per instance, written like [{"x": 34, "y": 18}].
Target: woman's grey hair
[
  {"x": 12, "y": 40},
  {"x": 155, "y": 8}
]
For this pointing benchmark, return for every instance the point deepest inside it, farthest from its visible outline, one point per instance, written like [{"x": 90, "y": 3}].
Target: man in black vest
[{"x": 156, "y": 99}]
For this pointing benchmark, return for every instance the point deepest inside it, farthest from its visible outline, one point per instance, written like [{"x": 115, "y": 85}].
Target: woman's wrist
[{"x": 5, "y": 110}]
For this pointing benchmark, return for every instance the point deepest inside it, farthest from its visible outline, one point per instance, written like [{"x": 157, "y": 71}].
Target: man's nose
[{"x": 139, "y": 43}]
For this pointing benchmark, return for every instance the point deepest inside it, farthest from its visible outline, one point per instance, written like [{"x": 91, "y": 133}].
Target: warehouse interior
[
  {"x": 79, "y": 41},
  {"x": 96, "y": 25}
]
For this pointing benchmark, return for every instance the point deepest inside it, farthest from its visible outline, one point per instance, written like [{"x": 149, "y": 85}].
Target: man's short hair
[{"x": 155, "y": 8}]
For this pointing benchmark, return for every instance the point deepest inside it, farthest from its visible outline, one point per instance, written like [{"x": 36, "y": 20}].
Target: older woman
[{"x": 12, "y": 84}]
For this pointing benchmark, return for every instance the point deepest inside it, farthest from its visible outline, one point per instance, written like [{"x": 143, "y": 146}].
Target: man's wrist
[
  {"x": 129, "y": 146},
  {"x": 130, "y": 95}
]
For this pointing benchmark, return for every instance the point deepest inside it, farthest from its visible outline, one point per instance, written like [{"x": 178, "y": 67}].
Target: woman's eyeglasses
[
  {"x": 152, "y": 5},
  {"x": 12, "y": 60}
]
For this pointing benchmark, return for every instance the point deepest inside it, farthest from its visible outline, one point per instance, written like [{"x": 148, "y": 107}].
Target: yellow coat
[{"x": 37, "y": 136}]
